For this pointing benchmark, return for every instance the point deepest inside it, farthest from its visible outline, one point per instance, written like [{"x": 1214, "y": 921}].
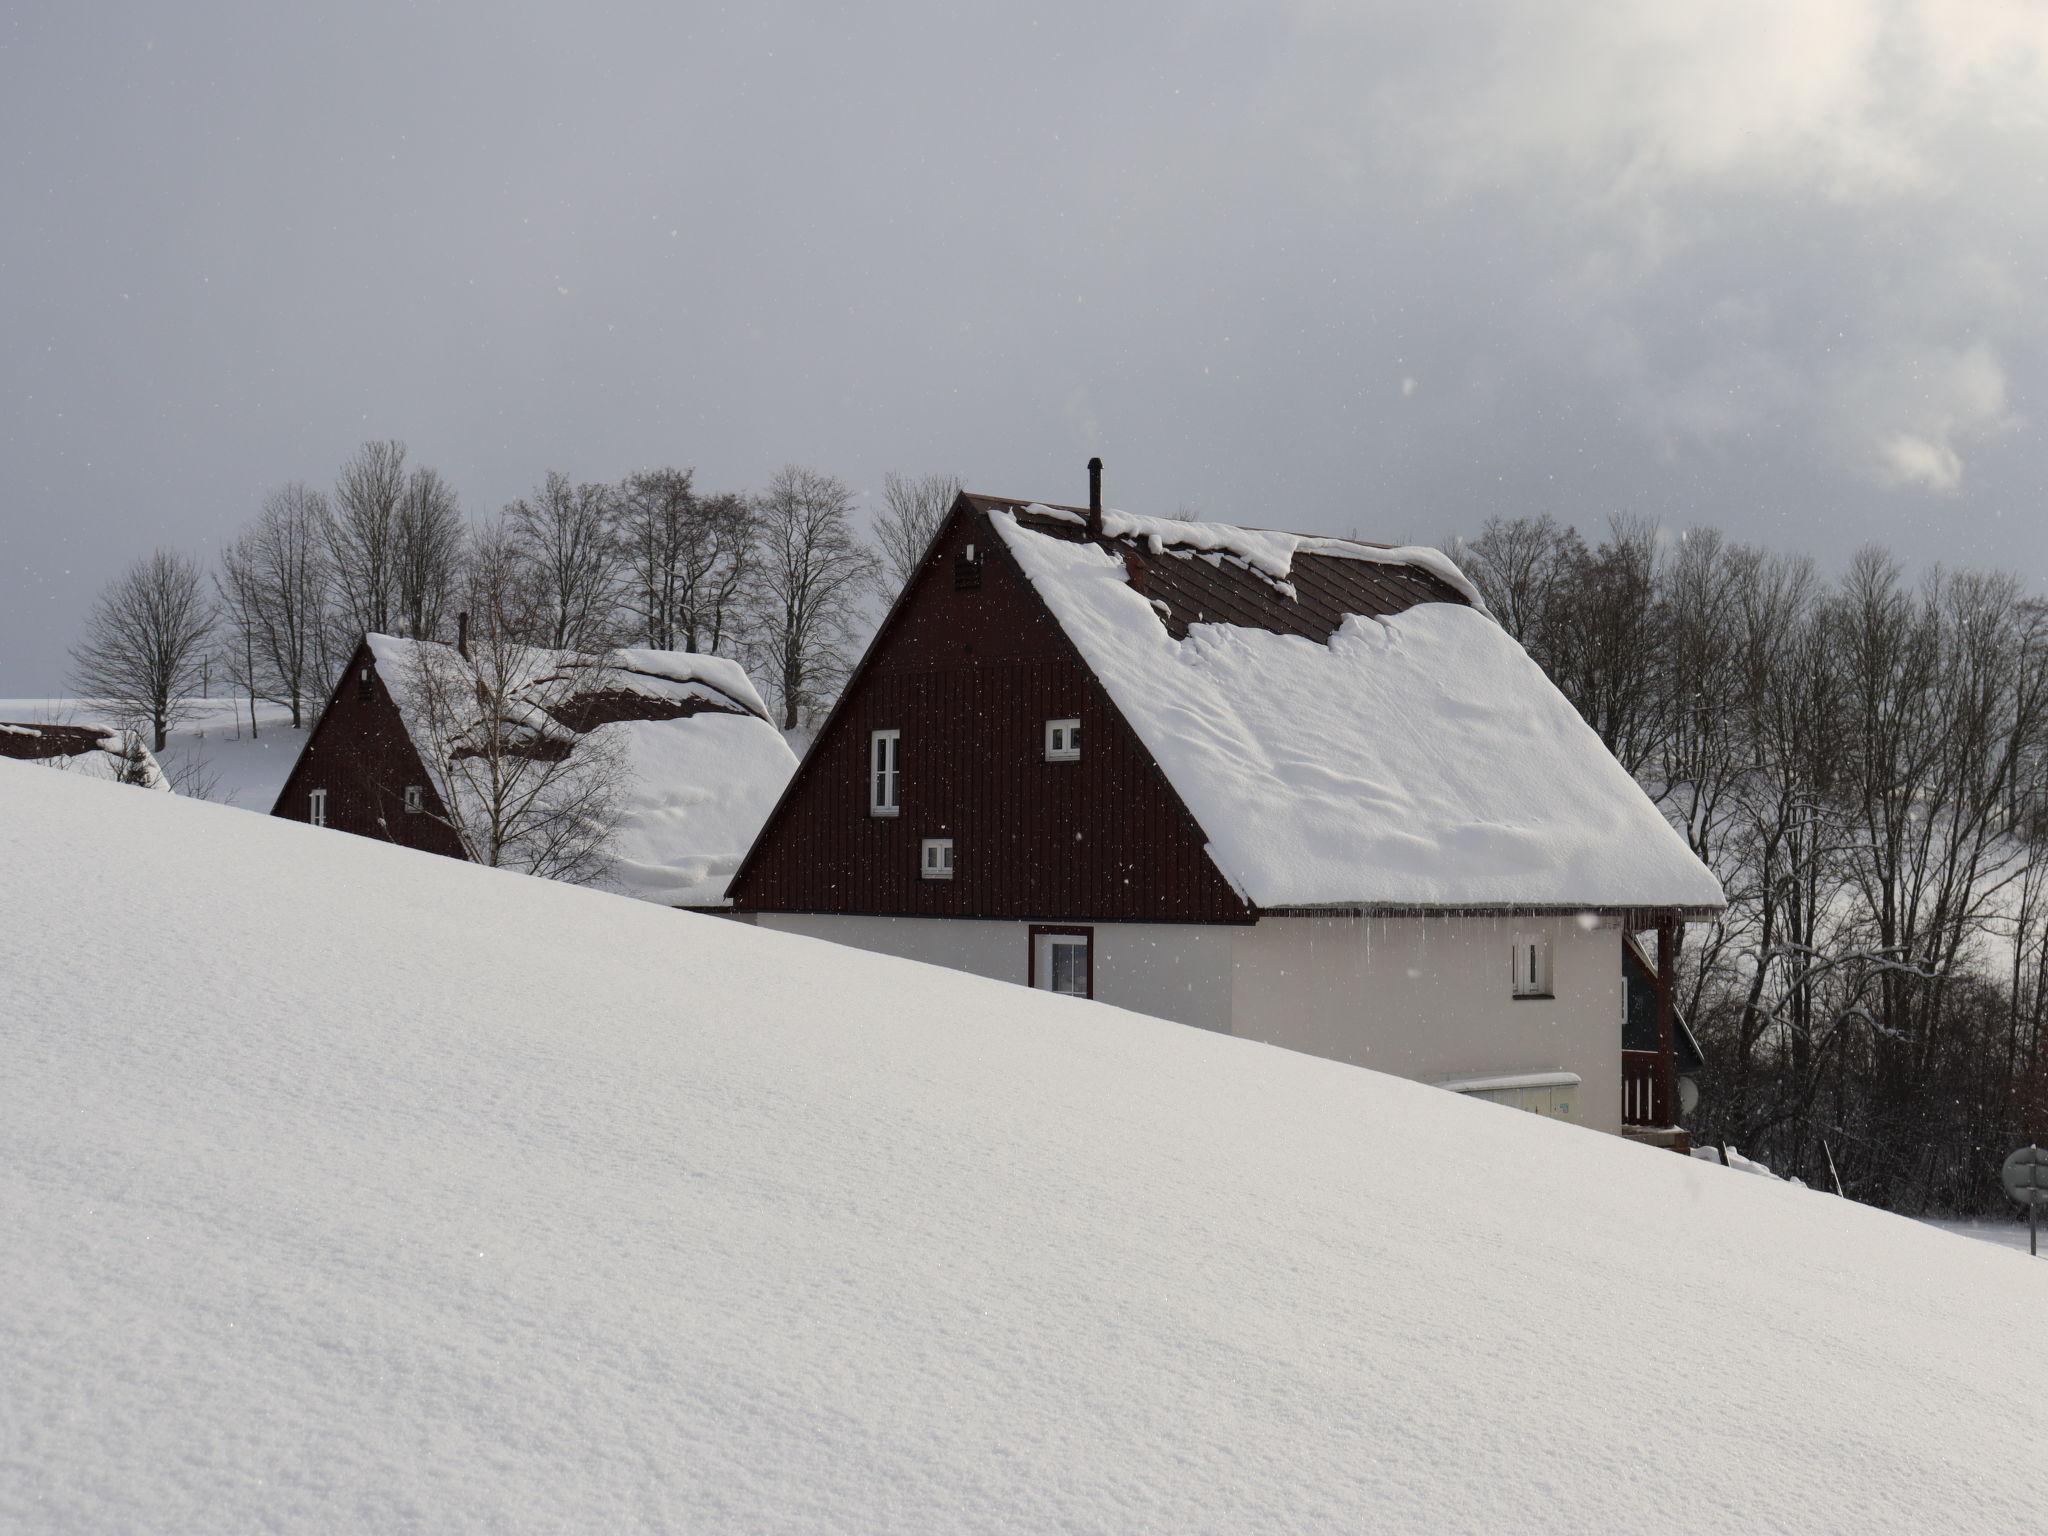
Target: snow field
[{"x": 350, "y": 1188}]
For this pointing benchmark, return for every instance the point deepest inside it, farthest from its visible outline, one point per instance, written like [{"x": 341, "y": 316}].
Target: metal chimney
[{"x": 1095, "y": 498}]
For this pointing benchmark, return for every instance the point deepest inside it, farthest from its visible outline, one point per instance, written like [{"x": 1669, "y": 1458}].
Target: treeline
[
  {"x": 780, "y": 579},
  {"x": 1864, "y": 762}
]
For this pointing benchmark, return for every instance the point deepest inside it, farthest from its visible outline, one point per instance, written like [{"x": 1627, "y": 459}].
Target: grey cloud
[{"x": 1772, "y": 267}]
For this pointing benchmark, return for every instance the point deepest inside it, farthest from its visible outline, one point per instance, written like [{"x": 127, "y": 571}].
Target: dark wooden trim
[
  {"x": 1246, "y": 921},
  {"x": 1039, "y": 931},
  {"x": 1630, "y": 918},
  {"x": 1667, "y": 1048}
]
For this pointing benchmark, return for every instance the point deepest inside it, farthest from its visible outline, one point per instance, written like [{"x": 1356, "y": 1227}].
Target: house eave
[{"x": 1636, "y": 914}]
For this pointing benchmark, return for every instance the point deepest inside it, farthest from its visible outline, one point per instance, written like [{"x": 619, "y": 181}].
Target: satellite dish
[{"x": 1688, "y": 1095}]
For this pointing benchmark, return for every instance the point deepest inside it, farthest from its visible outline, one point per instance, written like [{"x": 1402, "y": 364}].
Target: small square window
[
  {"x": 885, "y": 773},
  {"x": 316, "y": 807},
  {"x": 938, "y": 858},
  {"x": 1531, "y": 962},
  {"x": 1062, "y": 741},
  {"x": 413, "y": 799}
]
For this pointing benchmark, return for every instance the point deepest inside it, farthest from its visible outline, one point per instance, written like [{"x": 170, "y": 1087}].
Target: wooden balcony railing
[{"x": 1642, "y": 1099}]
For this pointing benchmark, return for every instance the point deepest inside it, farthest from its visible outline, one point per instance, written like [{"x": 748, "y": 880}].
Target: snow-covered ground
[
  {"x": 213, "y": 751},
  {"x": 348, "y": 1188},
  {"x": 2006, "y": 1234}
]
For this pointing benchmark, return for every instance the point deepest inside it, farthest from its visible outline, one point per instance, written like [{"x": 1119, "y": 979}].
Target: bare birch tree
[
  {"x": 145, "y": 642},
  {"x": 913, "y": 506},
  {"x": 815, "y": 575}
]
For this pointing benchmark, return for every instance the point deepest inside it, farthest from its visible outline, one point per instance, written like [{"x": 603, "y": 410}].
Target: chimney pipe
[
  {"x": 1095, "y": 498},
  {"x": 462, "y": 635}
]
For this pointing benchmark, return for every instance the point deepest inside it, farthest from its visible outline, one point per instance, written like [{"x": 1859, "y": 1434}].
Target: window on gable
[
  {"x": 967, "y": 570},
  {"x": 885, "y": 773},
  {"x": 1531, "y": 960},
  {"x": 316, "y": 807},
  {"x": 365, "y": 687},
  {"x": 1062, "y": 741},
  {"x": 938, "y": 858},
  {"x": 414, "y": 799}
]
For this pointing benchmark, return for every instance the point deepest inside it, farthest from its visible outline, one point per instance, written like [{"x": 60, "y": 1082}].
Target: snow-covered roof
[
  {"x": 1347, "y": 723},
  {"x": 703, "y": 764},
  {"x": 95, "y": 751}
]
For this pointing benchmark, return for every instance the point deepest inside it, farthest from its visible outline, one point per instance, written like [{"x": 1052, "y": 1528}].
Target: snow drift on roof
[
  {"x": 516, "y": 1207},
  {"x": 1419, "y": 760},
  {"x": 1265, "y": 550},
  {"x": 90, "y": 750}
]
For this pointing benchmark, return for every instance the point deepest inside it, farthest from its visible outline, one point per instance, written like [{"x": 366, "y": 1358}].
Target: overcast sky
[{"x": 1390, "y": 269}]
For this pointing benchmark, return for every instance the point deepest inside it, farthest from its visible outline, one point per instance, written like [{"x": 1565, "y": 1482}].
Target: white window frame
[
  {"x": 1529, "y": 966},
  {"x": 885, "y": 773},
  {"x": 1046, "y": 942},
  {"x": 1062, "y": 741},
  {"x": 415, "y": 800},
  {"x": 316, "y": 807},
  {"x": 942, "y": 869}
]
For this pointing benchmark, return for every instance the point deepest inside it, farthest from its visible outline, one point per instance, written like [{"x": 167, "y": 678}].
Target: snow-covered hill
[{"x": 345, "y": 1188}]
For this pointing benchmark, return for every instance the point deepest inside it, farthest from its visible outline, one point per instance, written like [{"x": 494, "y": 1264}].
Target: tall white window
[
  {"x": 1062, "y": 741},
  {"x": 938, "y": 858},
  {"x": 316, "y": 806},
  {"x": 885, "y": 773},
  {"x": 413, "y": 799},
  {"x": 1062, "y": 961},
  {"x": 1531, "y": 959}
]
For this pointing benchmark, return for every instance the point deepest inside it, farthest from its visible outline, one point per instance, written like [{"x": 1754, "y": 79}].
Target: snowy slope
[
  {"x": 1420, "y": 760},
  {"x": 346, "y": 1188}
]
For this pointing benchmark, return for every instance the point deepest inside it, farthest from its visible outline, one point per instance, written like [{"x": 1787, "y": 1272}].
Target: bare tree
[
  {"x": 912, "y": 509},
  {"x": 274, "y": 584},
  {"x": 687, "y": 559},
  {"x": 145, "y": 642},
  {"x": 564, "y": 533},
  {"x": 363, "y": 538},
  {"x": 429, "y": 553},
  {"x": 517, "y": 784},
  {"x": 815, "y": 574},
  {"x": 239, "y": 604}
]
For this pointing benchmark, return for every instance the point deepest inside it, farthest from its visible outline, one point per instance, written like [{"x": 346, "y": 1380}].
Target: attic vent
[{"x": 967, "y": 570}]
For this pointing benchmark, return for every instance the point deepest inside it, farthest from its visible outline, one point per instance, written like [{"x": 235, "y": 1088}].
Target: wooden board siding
[
  {"x": 970, "y": 677},
  {"x": 360, "y": 754}
]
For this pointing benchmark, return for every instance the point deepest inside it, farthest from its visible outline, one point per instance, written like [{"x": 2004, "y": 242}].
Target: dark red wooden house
[
  {"x": 1294, "y": 788},
  {"x": 702, "y": 761}
]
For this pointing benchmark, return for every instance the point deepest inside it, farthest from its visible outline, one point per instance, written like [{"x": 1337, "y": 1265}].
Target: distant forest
[
  {"x": 1862, "y": 759},
  {"x": 781, "y": 579},
  {"x": 1864, "y": 762}
]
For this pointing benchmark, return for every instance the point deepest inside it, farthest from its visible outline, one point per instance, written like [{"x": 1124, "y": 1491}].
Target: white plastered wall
[
  {"x": 1419, "y": 997},
  {"x": 1169, "y": 970},
  {"x": 1432, "y": 997}
]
